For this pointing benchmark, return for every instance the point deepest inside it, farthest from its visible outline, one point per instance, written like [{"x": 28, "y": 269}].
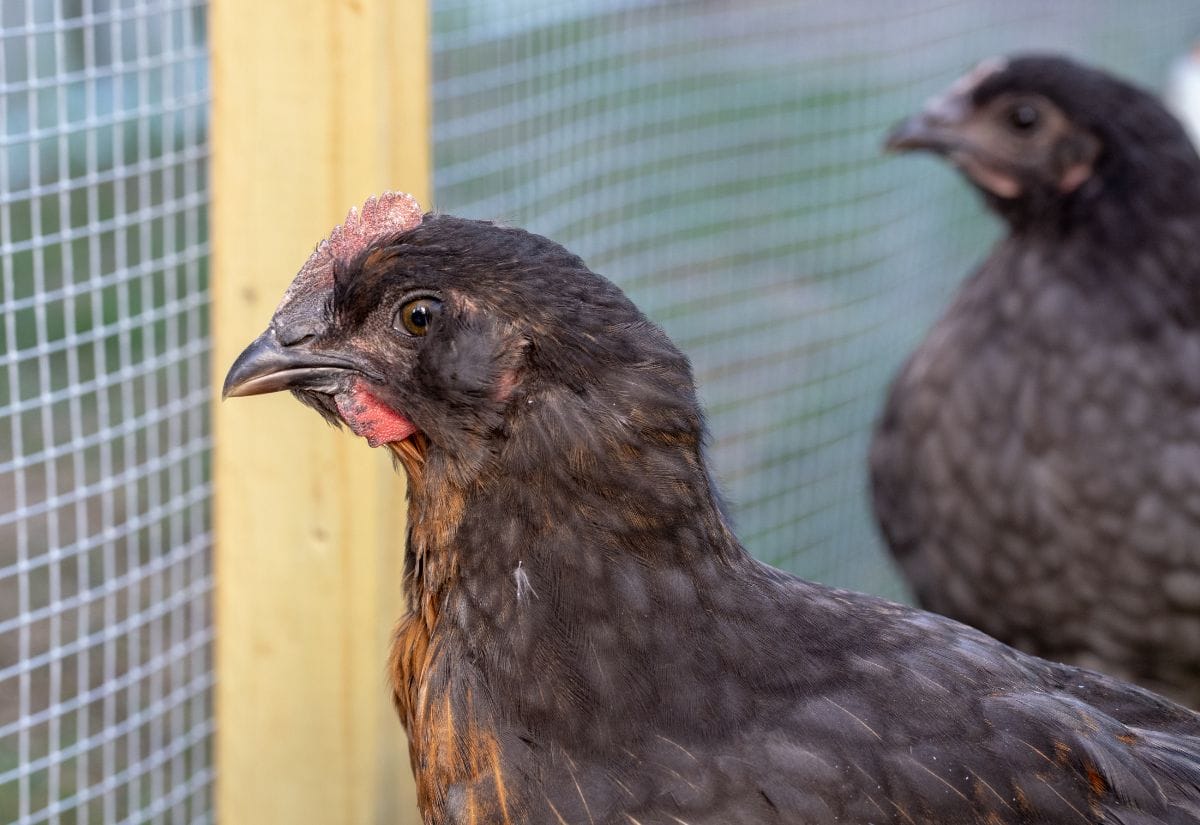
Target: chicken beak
[
  {"x": 267, "y": 365},
  {"x": 935, "y": 128}
]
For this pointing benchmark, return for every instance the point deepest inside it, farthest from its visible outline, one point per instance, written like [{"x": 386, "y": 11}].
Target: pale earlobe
[
  {"x": 509, "y": 378},
  {"x": 1080, "y": 152},
  {"x": 1074, "y": 177}
]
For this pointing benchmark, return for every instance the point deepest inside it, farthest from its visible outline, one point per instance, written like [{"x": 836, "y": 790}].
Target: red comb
[{"x": 389, "y": 214}]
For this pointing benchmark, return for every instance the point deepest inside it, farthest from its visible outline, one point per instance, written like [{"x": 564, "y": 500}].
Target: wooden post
[{"x": 315, "y": 106}]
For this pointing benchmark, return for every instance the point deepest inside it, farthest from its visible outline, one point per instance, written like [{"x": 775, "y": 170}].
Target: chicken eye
[
  {"x": 1023, "y": 117},
  {"x": 417, "y": 315}
]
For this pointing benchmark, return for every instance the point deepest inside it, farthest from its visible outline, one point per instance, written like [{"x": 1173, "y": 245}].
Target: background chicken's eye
[
  {"x": 1023, "y": 117},
  {"x": 416, "y": 316}
]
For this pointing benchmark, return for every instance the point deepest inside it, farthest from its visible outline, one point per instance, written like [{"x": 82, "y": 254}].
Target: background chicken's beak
[
  {"x": 936, "y": 127},
  {"x": 269, "y": 366}
]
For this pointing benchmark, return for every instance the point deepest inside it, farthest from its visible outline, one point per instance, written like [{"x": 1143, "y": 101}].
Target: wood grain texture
[{"x": 315, "y": 107}]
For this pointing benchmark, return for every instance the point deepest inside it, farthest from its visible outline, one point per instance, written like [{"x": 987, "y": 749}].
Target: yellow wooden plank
[{"x": 316, "y": 105}]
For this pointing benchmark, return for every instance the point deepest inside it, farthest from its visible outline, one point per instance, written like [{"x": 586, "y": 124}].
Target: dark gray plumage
[
  {"x": 587, "y": 642},
  {"x": 1036, "y": 471}
]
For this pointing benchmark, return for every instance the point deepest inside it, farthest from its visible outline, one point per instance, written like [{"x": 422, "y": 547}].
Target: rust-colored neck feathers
[{"x": 452, "y": 740}]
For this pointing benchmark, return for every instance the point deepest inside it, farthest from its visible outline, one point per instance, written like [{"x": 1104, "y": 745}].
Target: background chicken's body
[
  {"x": 1043, "y": 480},
  {"x": 1037, "y": 469}
]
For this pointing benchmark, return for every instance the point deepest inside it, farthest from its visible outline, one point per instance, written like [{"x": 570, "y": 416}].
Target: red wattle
[{"x": 371, "y": 418}]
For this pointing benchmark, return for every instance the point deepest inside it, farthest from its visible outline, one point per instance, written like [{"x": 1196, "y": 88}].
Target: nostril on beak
[{"x": 297, "y": 333}]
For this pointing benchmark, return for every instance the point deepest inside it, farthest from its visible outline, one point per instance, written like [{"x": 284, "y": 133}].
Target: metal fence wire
[
  {"x": 719, "y": 160},
  {"x": 722, "y": 162},
  {"x": 105, "y": 572}
]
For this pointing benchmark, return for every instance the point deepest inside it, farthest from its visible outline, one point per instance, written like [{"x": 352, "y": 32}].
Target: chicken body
[
  {"x": 718, "y": 690},
  {"x": 586, "y": 640},
  {"x": 1036, "y": 471}
]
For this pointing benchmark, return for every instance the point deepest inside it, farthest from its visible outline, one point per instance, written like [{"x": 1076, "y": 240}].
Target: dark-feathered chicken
[
  {"x": 1037, "y": 468},
  {"x": 586, "y": 640}
]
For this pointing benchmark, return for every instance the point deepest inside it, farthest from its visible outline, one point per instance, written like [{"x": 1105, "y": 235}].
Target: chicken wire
[
  {"x": 722, "y": 162},
  {"x": 105, "y": 570}
]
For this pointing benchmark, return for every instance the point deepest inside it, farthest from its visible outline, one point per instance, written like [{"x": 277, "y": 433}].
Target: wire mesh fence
[
  {"x": 105, "y": 575},
  {"x": 721, "y": 161}
]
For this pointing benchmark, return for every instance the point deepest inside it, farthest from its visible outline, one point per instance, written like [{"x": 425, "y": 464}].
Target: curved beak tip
[
  {"x": 910, "y": 133},
  {"x": 269, "y": 366},
  {"x": 258, "y": 359}
]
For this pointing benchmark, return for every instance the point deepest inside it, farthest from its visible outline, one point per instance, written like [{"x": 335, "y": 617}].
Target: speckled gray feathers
[{"x": 1036, "y": 470}]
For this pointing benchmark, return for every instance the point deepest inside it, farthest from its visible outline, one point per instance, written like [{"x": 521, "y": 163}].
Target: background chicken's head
[{"x": 1047, "y": 139}]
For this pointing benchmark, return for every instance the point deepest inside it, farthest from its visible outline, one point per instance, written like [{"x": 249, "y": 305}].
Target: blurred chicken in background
[{"x": 1036, "y": 471}]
